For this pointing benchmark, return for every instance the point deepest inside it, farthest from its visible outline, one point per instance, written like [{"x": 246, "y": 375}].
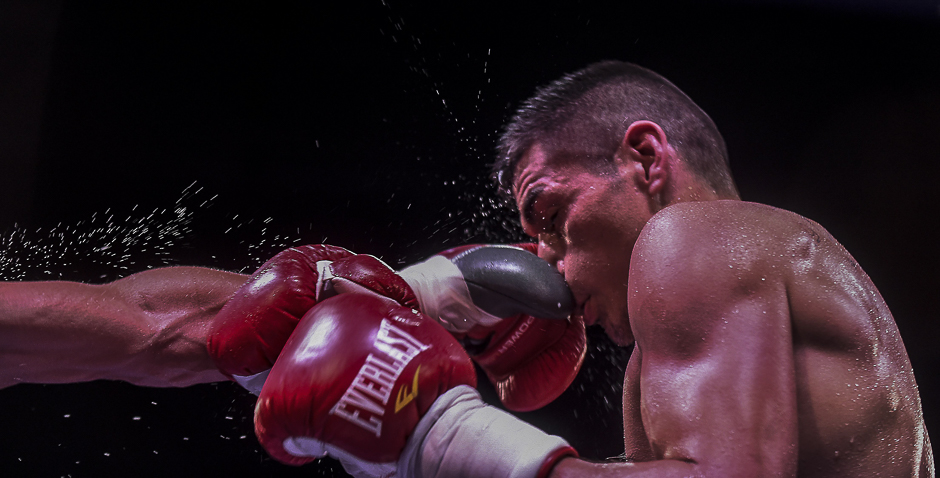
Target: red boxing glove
[
  {"x": 249, "y": 332},
  {"x": 358, "y": 374},
  {"x": 530, "y": 360},
  {"x": 388, "y": 392}
]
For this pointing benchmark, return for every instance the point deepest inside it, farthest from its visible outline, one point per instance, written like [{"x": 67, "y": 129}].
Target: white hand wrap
[
  {"x": 443, "y": 294},
  {"x": 462, "y": 437},
  {"x": 357, "y": 467},
  {"x": 252, "y": 383},
  {"x": 329, "y": 285}
]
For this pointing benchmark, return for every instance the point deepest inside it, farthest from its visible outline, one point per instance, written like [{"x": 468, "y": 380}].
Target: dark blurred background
[{"x": 140, "y": 134}]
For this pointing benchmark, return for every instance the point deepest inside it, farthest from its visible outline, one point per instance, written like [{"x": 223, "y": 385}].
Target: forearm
[
  {"x": 577, "y": 468},
  {"x": 148, "y": 329},
  {"x": 51, "y": 332}
]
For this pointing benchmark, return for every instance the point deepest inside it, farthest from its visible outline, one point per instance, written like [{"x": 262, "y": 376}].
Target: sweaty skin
[
  {"x": 762, "y": 348},
  {"x": 761, "y": 343},
  {"x": 148, "y": 328}
]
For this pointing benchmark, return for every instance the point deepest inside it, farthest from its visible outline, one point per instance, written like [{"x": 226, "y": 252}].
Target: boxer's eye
[
  {"x": 554, "y": 220},
  {"x": 546, "y": 221},
  {"x": 542, "y": 211},
  {"x": 550, "y": 228},
  {"x": 546, "y": 215}
]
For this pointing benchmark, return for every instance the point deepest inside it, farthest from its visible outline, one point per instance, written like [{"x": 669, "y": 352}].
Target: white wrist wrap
[
  {"x": 252, "y": 383},
  {"x": 443, "y": 295},
  {"x": 462, "y": 437},
  {"x": 329, "y": 285},
  {"x": 308, "y": 446}
]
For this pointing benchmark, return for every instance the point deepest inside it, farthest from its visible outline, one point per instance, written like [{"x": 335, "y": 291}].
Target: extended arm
[{"x": 147, "y": 329}]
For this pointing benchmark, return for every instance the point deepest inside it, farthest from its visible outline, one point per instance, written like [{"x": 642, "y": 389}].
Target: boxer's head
[
  {"x": 589, "y": 111},
  {"x": 590, "y": 158}
]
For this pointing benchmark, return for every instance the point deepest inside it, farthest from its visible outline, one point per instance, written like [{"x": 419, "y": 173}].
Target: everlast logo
[{"x": 365, "y": 400}]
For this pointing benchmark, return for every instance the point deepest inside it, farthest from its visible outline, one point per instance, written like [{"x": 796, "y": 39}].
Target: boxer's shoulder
[
  {"x": 726, "y": 213},
  {"x": 766, "y": 232},
  {"x": 731, "y": 245}
]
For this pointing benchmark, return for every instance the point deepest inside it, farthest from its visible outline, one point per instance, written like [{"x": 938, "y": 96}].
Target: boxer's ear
[{"x": 646, "y": 150}]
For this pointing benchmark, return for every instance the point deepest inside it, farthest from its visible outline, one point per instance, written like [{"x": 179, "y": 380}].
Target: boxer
[{"x": 761, "y": 348}]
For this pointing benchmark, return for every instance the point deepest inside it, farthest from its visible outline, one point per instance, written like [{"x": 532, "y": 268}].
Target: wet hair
[{"x": 588, "y": 112}]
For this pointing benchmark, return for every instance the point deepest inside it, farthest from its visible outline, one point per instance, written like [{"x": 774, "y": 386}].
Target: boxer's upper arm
[
  {"x": 148, "y": 328},
  {"x": 636, "y": 444},
  {"x": 717, "y": 380}
]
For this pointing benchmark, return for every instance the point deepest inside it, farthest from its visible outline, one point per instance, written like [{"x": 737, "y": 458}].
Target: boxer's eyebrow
[{"x": 527, "y": 207}]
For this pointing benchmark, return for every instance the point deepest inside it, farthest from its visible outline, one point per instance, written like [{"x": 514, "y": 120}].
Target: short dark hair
[{"x": 589, "y": 111}]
